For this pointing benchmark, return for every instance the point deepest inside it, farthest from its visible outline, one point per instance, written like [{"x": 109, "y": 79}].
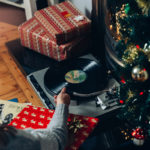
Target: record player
[{"x": 85, "y": 81}]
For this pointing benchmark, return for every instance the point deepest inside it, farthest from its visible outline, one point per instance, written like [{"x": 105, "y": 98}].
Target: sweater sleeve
[{"x": 54, "y": 137}]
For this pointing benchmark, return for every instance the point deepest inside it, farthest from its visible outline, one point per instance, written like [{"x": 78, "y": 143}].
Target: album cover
[{"x": 9, "y": 110}]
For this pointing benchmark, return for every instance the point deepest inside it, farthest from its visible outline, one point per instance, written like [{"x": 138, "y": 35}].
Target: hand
[{"x": 62, "y": 98}]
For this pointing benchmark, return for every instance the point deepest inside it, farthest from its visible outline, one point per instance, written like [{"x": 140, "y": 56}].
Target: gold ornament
[
  {"x": 139, "y": 74},
  {"x": 144, "y": 5}
]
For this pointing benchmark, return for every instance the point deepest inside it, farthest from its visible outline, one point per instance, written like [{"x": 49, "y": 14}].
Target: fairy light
[
  {"x": 121, "y": 101},
  {"x": 137, "y": 46},
  {"x": 141, "y": 93}
]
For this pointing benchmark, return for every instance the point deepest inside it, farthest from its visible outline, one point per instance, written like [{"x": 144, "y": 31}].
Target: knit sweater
[{"x": 54, "y": 137}]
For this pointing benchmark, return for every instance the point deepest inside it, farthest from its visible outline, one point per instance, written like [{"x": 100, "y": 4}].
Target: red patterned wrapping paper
[
  {"x": 38, "y": 117},
  {"x": 33, "y": 36},
  {"x": 60, "y": 23}
]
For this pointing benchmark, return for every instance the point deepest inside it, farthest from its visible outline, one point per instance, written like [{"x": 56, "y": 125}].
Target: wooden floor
[{"x": 13, "y": 83}]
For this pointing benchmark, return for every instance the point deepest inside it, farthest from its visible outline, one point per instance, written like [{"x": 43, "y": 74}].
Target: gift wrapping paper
[
  {"x": 63, "y": 22},
  {"x": 38, "y": 118},
  {"x": 34, "y": 37}
]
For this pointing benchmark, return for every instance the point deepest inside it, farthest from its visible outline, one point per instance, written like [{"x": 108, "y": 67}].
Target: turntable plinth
[{"x": 13, "y": 83}]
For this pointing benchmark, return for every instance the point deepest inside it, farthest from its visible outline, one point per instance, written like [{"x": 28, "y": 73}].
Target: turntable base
[{"x": 85, "y": 108}]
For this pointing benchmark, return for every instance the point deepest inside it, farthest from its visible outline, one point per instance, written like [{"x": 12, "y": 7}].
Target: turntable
[{"x": 85, "y": 80}]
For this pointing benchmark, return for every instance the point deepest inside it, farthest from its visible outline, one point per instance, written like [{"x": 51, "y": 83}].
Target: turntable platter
[{"x": 79, "y": 75}]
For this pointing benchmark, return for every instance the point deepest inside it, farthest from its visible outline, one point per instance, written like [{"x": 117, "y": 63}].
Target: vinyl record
[{"x": 79, "y": 76}]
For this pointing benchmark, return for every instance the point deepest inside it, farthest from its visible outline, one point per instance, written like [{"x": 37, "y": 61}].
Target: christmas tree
[{"x": 130, "y": 25}]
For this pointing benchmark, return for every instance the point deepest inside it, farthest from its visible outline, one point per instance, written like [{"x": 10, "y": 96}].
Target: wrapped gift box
[
  {"x": 63, "y": 22},
  {"x": 34, "y": 36},
  {"x": 38, "y": 117}
]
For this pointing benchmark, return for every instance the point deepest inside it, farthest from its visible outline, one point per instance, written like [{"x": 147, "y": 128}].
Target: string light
[
  {"x": 121, "y": 101},
  {"x": 137, "y": 46},
  {"x": 122, "y": 80},
  {"x": 141, "y": 93}
]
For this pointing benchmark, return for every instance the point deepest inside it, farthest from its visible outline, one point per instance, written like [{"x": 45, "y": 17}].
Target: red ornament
[
  {"x": 138, "y": 133},
  {"x": 144, "y": 69},
  {"x": 138, "y": 136},
  {"x": 137, "y": 46}
]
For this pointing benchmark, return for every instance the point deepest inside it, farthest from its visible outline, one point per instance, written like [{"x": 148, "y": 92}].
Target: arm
[{"x": 55, "y": 136}]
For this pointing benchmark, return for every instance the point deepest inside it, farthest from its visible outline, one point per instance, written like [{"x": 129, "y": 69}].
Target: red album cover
[{"x": 79, "y": 127}]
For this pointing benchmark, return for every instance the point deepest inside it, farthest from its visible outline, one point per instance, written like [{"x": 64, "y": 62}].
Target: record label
[{"x": 75, "y": 76}]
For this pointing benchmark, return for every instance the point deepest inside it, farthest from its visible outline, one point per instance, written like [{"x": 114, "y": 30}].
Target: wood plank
[
  {"x": 13, "y": 83},
  {"x": 19, "y": 79},
  {"x": 5, "y": 27},
  {"x": 8, "y": 33}
]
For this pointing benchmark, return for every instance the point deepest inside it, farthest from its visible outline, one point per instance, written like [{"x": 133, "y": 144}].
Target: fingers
[
  {"x": 55, "y": 96},
  {"x": 63, "y": 90},
  {"x": 55, "y": 99}
]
